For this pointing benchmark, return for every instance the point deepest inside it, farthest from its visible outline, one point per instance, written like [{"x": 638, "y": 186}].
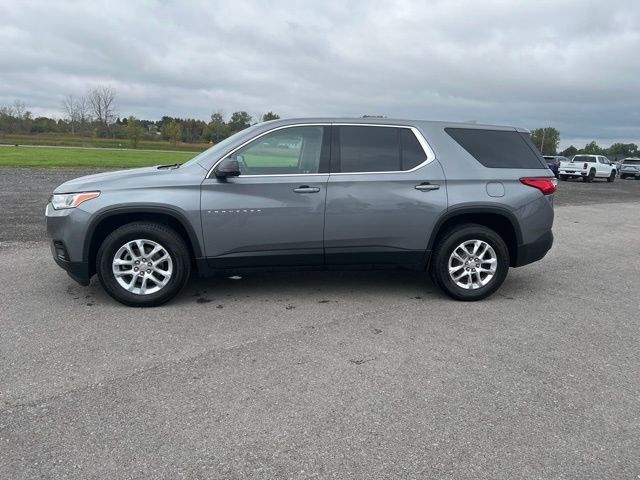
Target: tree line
[
  {"x": 95, "y": 114},
  {"x": 547, "y": 139}
]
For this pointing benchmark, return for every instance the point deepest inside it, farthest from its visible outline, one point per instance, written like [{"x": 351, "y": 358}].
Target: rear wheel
[
  {"x": 589, "y": 178},
  {"x": 611, "y": 177},
  {"x": 143, "y": 264},
  {"x": 470, "y": 262}
]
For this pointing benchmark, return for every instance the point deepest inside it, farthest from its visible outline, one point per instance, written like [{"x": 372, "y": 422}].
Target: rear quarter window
[{"x": 498, "y": 148}]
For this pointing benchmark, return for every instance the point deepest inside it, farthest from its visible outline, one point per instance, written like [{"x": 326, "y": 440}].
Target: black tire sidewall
[
  {"x": 453, "y": 238},
  {"x": 169, "y": 239}
]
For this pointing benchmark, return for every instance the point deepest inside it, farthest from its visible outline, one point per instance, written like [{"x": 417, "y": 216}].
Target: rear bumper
[
  {"x": 576, "y": 173},
  {"x": 531, "y": 252}
]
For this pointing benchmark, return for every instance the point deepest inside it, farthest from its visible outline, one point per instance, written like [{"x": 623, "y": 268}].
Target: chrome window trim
[{"x": 418, "y": 134}]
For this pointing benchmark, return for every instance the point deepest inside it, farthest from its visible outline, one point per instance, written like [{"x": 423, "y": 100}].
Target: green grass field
[
  {"x": 65, "y": 140},
  {"x": 77, "y": 157},
  {"x": 272, "y": 161},
  {"x": 272, "y": 156}
]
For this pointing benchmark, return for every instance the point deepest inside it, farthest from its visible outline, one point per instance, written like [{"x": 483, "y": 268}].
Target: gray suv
[{"x": 462, "y": 201}]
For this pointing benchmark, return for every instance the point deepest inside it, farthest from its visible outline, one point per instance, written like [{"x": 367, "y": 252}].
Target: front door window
[{"x": 295, "y": 150}]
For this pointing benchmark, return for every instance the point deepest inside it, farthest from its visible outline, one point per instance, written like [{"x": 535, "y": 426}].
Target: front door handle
[
  {"x": 426, "y": 186},
  {"x": 306, "y": 189}
]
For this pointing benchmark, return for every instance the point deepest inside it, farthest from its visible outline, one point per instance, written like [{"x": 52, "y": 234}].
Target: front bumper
[
  {"x": 630, "y": 173},
  {"x": 531, "y": 252},
  {"x": 78, "y": 271},
  {"x": 66, "y": 230}
]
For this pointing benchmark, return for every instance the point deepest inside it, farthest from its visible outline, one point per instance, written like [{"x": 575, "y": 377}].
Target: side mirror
[{"x": 228, "y": 167}]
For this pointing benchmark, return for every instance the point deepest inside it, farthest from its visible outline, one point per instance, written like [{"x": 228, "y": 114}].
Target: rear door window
[
  {"x": 411, "y": 151},
  {"x": 498, "y": 148},
  {"x": 377, "y": 149}
]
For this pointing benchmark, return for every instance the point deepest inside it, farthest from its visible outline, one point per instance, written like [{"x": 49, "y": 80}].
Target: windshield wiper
[{"x": 168, "y": 167}]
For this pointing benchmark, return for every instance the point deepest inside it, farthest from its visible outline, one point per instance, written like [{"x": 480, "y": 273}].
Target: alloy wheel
[
  {"x": 472, "y": 264},
  {"x": 142, "y": 266}
]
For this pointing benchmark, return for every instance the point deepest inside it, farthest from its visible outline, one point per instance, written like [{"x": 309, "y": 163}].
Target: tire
[
  {"x": 611, "y": 177},
  {"x": 563, "y": 178},
  {"x": 589, "y": 178},
  {"x": 622, "y": 177},
  {"x": 449, "y": 242},
  {"x": 168, "y": 277}
]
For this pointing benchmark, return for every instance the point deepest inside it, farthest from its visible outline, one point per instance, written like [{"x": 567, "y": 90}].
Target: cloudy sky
[{"x": 574, "y": 65}]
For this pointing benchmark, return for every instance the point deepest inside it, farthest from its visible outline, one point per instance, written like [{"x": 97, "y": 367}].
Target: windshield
[
  {"x": 631, "y": 162},
  {"x": 583, "y": 158},
  {"x": 221, "y": 148}
]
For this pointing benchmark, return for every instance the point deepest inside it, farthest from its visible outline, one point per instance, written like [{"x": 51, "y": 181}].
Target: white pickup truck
[{"x": 587, "y": 167}]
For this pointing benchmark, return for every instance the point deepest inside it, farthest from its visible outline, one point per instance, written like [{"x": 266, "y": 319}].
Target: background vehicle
[
  {"x": 553, "y": 162},
  {"x": 314, "y": 193},
  {"x": 587, "y": 167},
  {"x": 617, "y": 164},
  {"x": 630, "y": 167}
]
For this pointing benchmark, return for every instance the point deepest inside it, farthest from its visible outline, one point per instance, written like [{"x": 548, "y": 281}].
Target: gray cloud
[{"x": 571, "y": 64}]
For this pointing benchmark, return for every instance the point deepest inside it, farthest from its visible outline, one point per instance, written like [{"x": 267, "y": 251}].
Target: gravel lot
[{"x": 327, "y": 375}]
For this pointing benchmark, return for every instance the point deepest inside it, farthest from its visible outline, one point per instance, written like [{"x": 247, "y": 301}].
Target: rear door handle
[
  {"x": 306, "y": 189},
  {"x": 426, "y": 186}
]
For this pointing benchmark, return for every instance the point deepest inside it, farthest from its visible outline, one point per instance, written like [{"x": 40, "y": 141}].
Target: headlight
[{"x": 60, "y": 201}]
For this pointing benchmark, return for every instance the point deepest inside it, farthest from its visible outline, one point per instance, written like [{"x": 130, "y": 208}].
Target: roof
[{"x": 394, "y": 121}]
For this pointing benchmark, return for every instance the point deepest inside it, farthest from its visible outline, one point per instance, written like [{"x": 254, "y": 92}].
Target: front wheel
[
  {"x": 611, "y": 177},
  {"x": 470, "y": 262},
  {"x": 143, "y": 264},
  {"x": 563, "y": 177},
  {"x": 622, "y": 177}
]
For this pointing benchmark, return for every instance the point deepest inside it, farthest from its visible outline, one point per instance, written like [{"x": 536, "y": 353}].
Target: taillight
[
  {"x": 546, "y": 185},
  {"x": 585, "y": 165}
]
